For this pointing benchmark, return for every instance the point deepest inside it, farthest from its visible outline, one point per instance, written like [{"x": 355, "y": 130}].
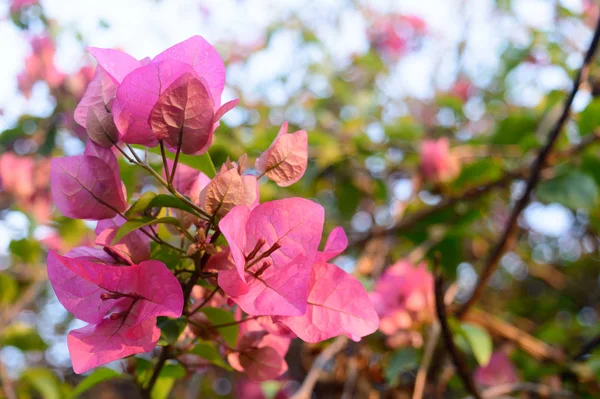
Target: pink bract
[
  {"x": 337, "y": 304},
  {"x": 499, "y": 370},
  {"x": 438, "y": 164},
  {"x": 285, "y": 161},
  {"x": 88, "y": 186}
]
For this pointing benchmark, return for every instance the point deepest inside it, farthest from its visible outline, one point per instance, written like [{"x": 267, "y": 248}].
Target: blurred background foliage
[{"x": 369, "y": 81}]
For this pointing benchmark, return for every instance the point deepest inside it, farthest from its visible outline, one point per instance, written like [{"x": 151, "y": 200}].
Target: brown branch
[
  {"x": 508, "y": 235},
  {"x": 459, "y": 362},
  {"x": 536, "y": 348},
  {"x": 587, "y": 348},
  {"x": 7, "y": 387},
  {"x": 474, "y": 193},
  {"x": 538, "y": 389},
  {"x": 162, "y": 360},
  {"x": 313, "y": 375}
]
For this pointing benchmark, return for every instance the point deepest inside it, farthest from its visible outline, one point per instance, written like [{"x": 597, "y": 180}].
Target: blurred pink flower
[
  {"x": 438, "y": 164},
  {"x": 403, "y": 298},
  {"x": 499, "y": 370},
  {"x": 39, "y": 65},
  {"x": 17, "y": 5},
  {"x": 395, "y": 35}
]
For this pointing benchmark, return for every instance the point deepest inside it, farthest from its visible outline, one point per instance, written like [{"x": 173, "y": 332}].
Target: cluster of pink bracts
[{"x": 272, "y": 266}]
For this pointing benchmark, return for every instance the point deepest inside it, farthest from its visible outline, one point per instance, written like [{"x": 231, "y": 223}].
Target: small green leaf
[
  {"x": 28, "y": 250},
  {"x": 98, "y": 375},
  {"x": 135, "y": 224},
  {"x": 166, "y": 379},
  {"x": 140, "y": 205},
  {"x": 573, "y": 189},
  {"x": 589, "y": 118},
  {"x": 207, "y": 350},
  {"x": 168, "y": 201},
  {"x": 402, "y": 360},
  {"x": 202, "y": 163},
  {"x": 170, "y": 330},
  {"x": 23, "y": 337},
  {"x": 8, "y": 289},
  {"x": 43, "y": 381},
  {"x": 221, "y": 316},
  {"x": 479, "y": 341}
]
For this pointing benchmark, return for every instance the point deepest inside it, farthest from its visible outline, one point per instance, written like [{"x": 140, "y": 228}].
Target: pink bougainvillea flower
[
  {"x": 499, "y": 370},
  {"x": 39, "y": 66},
  {"x": 97, "y": 344},
  {"x": 286, "y": 159},
  {"x": 438, "y": 164},
  {"x": 403, "y": 297},
  {"x": 25, "y": 178},
  {"x": 17, "y": 5},
  {"x": 259, "y": 354},
  {"x": 176, "y": 97},
  {"x": 88, "y": 186},
  {"x": 272, "y": 248},
  {"x": 394, "y": 35},
  {"x": 337, "y": 302},
  {"x": 134, "y": 247},
  {"x": 121, "y": 304}
]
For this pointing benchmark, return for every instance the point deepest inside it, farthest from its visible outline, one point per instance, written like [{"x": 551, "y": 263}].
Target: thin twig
[
  {"x": 176, "y": 161},
  {"x": 459, "y": 362},
  {"x": 507, "y": 237},
  {"x": 164, "y": 159},
  {"x": 474, "y": 193},
  {"x": 587, "y": 348},
  {"x": 432, "y": 340},
  {"x": 536, "y": 348},
  {"x": 538, "y": 389},
  {"x": 9, "y": 390},
  {"x": 313, "y": 375},
  {"x": 207, "y": 300},
  {"x": 162, "y": 360}
]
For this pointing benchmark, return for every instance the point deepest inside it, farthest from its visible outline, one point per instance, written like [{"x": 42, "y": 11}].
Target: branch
[
  {"x": 7, "y": 387},
  {"x": 459, "y": 362},
  {"x": 587, "y": 348},
  {"x": 538, "y": 389},
  {"x": 507, "y": 237},
  {"x": 313, "y": 375},
  {"x": 162, "y": 360},
  {"x": 536, "y": 348},
  {"x": 475, "y": 193},
  {"x": 432, "y": 340}
]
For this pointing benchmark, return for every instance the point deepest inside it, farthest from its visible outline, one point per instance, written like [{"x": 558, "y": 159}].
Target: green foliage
[
  {"x": 170, "y": 330},
  {"x": 136, "y": 224},
  {"x": 573, "y": 189},
  {"x": 96, "y": 377},
  {"x": 478, "y": 340},
  {"x": 23, "y": 337},
  {"x": 9, "y": 288},
  {"x": 208, "y": 351},
  {"x": 217, "y": 317},
  {"x": 26, "y": 250},
  {"x": 402, "y": 360}
]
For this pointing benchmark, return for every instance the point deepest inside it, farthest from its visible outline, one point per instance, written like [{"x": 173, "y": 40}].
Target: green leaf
[
  {"x": 402, "y": 360},
  {"x": 221, "y": 316},
  {"x": 9, "y": 288},
  {"x": 167, "y": 377},
  {"x": 168, "y": 201},
  {"x": 27, "y": 250},
  {"x": 573, "y": 189},
  {"x": 140, "y": 205},
  {"x": 23, "y": 337},
  {"x": 133, "y": 225},
  {"x": 43, "y": 381},
  {"x": 202, "y": 163},
  {"x": 170, "y": 330},
  {"x": 515, "y": 128},
  {"x": 479, "y": 341},
  {"x": 589, "y": 118},
  {"x": 98, "y": 375},
  {"x": 207, "y": 350}
]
